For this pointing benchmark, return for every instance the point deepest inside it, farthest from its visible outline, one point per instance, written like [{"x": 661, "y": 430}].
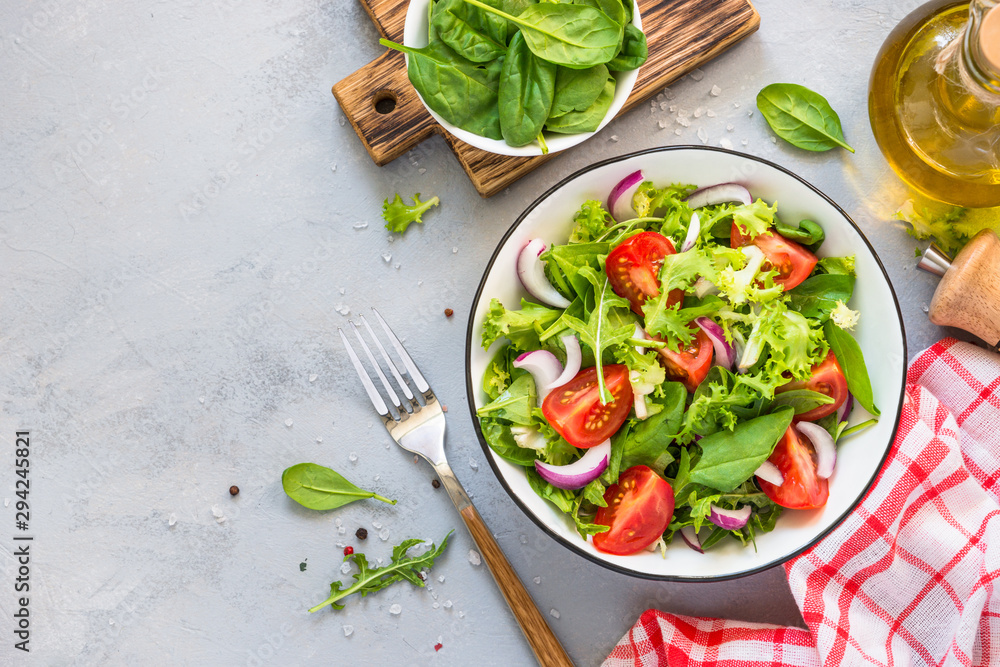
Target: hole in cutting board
[{"x": 384, "y": 101}]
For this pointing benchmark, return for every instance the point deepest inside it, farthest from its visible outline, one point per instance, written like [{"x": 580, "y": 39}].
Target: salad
[{"x": 685, "y": 366}]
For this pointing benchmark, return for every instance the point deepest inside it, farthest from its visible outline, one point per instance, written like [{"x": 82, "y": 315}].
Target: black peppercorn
[
  {"x": 361, "y": 534},
  {"x": 436, "y": 484},
  {"x": 233, "y": 490}
]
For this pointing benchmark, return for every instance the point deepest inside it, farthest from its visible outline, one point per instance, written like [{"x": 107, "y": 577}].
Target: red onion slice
[
  {"x": 544, "y": 368},
  {"x": 694, "y": 229},
  {"x": 844, "y": 411},
  {"x": 690, "y": 537},
  {"x": 581, "y": 472},
  {"x": 574, "y": 357},
  {"x": 822, "y": 442},
  {"x": 531, "y": 272},
  {"x": 722, "y": 193},
  {"x": 725, "y": 355},
  {"x": 730, "y": 519},
  {"x": 770, "y": 473},
  {"x": 620, "y": 199}
]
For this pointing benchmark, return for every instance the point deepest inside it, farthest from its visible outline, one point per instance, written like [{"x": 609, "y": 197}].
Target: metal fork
[{"x": 417, "y": 425}]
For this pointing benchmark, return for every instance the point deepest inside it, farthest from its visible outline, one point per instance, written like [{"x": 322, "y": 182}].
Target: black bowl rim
[{"x": 572, "y": 545}]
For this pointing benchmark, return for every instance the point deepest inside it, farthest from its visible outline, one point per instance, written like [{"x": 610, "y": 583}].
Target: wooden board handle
[
  {"x": 544, "y": 643},
  {"x": 384, "y": 108},
  {"x": 969, "y": 294}
]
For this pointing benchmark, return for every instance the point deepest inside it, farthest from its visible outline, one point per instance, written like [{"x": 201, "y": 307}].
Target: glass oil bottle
[{"x": 934, "y": 101}]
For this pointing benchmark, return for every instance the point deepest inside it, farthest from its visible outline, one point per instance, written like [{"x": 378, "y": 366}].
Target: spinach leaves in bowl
[{"x": 512, "y": 70}]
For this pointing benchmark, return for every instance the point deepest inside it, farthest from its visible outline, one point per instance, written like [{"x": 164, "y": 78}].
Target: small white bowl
[
  {"x": 879, "y": 333},
  {"x": 415, "y": 35}
]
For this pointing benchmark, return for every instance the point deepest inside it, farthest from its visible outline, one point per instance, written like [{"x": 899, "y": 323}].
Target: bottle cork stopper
[{"x": 989, "y": 37}]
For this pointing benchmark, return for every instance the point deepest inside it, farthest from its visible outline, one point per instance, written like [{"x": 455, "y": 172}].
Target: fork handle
[{"x": 544, "y": 643}]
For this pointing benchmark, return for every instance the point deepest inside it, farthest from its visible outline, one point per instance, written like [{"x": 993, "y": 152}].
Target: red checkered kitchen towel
[{"x": 908, "y": 578}]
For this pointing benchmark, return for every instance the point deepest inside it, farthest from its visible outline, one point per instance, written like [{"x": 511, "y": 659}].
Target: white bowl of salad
[{"x": 686, "y": 363}]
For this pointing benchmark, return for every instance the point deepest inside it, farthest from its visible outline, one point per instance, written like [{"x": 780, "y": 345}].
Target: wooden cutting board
[{"x": 385, "y": 111}]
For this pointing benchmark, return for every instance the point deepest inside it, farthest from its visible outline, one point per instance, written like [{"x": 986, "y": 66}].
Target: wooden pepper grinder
[{"x": 969, "y": 294}]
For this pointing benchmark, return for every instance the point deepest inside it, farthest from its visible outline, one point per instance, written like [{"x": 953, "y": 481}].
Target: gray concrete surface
[{"x": 183, "y": 210}]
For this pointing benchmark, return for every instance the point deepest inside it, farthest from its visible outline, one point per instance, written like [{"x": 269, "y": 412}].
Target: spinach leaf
[
  {"x": 514, "y": 404},
  {"x": 320, "y": 488},
  {"x": 613, "y": 9},
  {"x": 461, "y": 92},
  {"x": 577, "y": 89},
  {"x": 852, "y": 362},
  {"x": 647, "y": 444},
  {"x": 398, "y": 215},
  {"x": 527, "y": 86},
  {"x": 807, "y": 233},
  {"x": 801, "y": 117},
  {"x": 572, "y": 257},
  {"x": 801, "y": 400},
  {"x": 587, "y": 120},
  {"x": 633, "y": 53},
  {"x": 729, "y": 458},
  {"x": 572, "y": 35},
  {"x": 368, "y": 579},
  {"x": 473, "y": 34},
  {"x": 817, "y": 296},
  {"x": 500, "y": 440}
]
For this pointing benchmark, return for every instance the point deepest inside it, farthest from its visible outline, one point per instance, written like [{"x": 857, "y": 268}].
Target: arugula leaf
[
  {"x": 399, "y": 215},
  {"x": 521, "y": 327},
  {"x": 368, "y": 579},
  {"x": 852, "y": 362},
  {"x": 320, "y": 488},
  {"x": 721, "y": 400},
  {"x": 597, "y": 332},
  {"x": 729, "y": 458},
  {"x": 515, "y": 404},
  {"x": 570, "y": 258},
  {"x": 816, "y": 297}
]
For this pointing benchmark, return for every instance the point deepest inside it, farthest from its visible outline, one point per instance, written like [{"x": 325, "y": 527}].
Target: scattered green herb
[
  {"x": 368, "y": 580},
  {"x": 319, "y": 488},
  {"x": 399, "y": 215},
  {"x": 801, "y": 117}
]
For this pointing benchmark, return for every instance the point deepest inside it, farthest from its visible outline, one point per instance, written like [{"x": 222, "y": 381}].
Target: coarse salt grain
[
  {"x": 474, "y": 557},
  {"x": 715, "y": 92},
  {"x": 396, "y": 609},
  {"x": 348, "y": 630},
  {"x": 554, "y": 613}
]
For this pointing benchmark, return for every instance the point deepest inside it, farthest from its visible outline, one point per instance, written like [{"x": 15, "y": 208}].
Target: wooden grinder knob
[{"x": 969, "y": 294}]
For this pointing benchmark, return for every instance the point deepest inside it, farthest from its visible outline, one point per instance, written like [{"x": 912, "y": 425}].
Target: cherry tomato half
[
  {"x": 827, "y": 378},
  {"x": 634, "y": 269},
  {"x": 639, "y": 509},
  {"x": 792, "y": 261},
  {"x": 796, "y": 459},
  {"x": 690, "y": 364},
  {"x": 574, "y": 410}
]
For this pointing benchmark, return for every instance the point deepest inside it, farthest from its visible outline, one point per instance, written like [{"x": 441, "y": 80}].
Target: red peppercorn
[
  {"x": 448, "y": 312},
  {"x": 437, "y": 647},
  {"x": 348, "y": 551}
]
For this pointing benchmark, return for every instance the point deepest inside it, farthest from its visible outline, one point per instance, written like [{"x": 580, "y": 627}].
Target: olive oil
[{"x": 934, "y": 101}]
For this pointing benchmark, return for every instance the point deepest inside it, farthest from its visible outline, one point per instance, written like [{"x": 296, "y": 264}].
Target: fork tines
[{"x": 411, "y": 404}]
